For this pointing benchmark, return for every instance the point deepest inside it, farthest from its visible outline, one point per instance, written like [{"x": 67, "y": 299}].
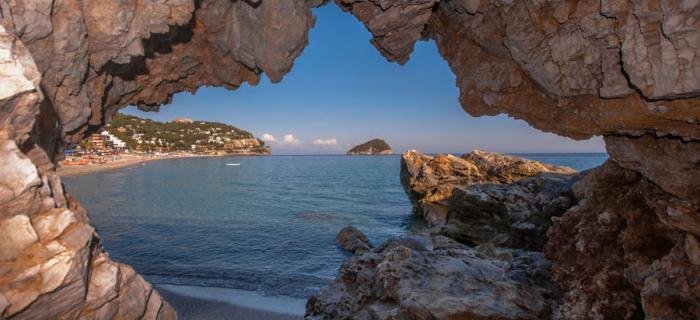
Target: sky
[{"x": 342, "y": 92}]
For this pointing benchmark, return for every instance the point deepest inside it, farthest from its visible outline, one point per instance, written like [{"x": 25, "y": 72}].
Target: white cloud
[
  {"x": 290, "y": 139},
  {"x": 326, "y": 142},
  {"x": 268, "y": 137}
]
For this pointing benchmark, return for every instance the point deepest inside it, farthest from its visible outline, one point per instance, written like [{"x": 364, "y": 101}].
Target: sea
[{"x": 266, "y": 225}]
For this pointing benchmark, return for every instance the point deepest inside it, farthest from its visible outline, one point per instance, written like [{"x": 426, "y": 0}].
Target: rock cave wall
[{"x": 627, "y": 70}]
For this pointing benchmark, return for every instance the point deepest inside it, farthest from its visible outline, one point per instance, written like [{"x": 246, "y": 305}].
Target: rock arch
[{"x": 627, "y": 70}]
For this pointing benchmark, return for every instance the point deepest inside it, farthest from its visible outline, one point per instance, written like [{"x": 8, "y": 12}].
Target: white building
[{"x": 116, "y": 142}]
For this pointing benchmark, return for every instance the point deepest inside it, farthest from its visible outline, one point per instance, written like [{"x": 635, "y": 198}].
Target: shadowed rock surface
[
  {"x": 372, "y": 147},
  {"x": 627, "y": 70},
  {"x": 617, "y": 249},
  {"x": 515, "y": 215},
  {"x": 406, "y": 278}
]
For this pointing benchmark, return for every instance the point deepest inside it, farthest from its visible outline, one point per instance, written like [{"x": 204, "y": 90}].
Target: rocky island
[{"x": 372, "y": 147}]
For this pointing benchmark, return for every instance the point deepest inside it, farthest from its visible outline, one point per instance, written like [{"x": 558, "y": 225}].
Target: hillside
[
  {"x": 201, "y": 136},
  {"x": 372, "y": 147}
]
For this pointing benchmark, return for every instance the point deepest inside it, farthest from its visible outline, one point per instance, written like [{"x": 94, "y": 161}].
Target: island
[{"x": 372, "y": 147}]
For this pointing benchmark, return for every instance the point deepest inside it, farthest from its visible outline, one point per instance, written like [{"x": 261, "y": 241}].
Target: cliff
[
  {"x": 372, "y": 147},
  {"x": 625, "y": 70}
]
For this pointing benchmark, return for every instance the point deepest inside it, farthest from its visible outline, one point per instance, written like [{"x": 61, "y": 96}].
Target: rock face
[
  {"x": 430, "y": 181},
  {"x": 617, "y": 253},
  {"x": 406, "y": 278},
  {"x": 627, "y": 70},
  {"x": 372, "y": 147},
  {"x": 51, "y": 262},
  {"x": 515, "y": 215}
]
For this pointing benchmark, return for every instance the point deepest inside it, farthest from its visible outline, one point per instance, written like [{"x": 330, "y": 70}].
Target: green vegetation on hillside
[
  {"x": 375, "y": 145},
  {"x": 149, "y": 135}
]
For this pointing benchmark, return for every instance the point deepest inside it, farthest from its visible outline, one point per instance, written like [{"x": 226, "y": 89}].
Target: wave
[{"x": 265, "y": 283}]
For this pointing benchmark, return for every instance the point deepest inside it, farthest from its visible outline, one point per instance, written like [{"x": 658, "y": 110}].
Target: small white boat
[{"x": 233, "y": 164}]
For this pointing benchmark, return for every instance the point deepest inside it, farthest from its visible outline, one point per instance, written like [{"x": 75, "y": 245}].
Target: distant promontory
[
  {"x": 184, "y": 134},
  {"x": 372, "y": 147}
]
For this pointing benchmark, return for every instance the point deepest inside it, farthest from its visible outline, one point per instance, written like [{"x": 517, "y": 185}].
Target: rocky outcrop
[
  {"x": 515, "y": 215},
  {"x": 372, "y": 147},
  {"x": 430, "y": 181},
  {"x": 626, "y": 70},
  {"x": 437, "y": 278},
  {"x": 51, "y": 263},
  {"x": 619, "y": 252},
  {"x": 575, "y": 68}
]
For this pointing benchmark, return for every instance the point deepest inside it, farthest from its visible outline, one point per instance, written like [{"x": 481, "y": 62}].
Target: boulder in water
[{"x": 353, "y": 240}]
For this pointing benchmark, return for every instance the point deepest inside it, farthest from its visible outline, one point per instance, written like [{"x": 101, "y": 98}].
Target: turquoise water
[{"x": 268, "y": 225}]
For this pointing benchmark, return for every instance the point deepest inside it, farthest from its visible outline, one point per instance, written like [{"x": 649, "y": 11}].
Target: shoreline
[
  {"x": 67, "y": 171},
  {"x": 203, "y": 303}
]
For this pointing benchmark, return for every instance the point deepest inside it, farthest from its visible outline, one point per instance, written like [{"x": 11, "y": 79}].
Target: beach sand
[
  {"x": 90, "y": 168},
  {"x": 65, "y": 171},
  {"x": 205, "y": 303}
]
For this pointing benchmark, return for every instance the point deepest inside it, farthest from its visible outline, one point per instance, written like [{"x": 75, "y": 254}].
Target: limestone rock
[
  {"x": 405, "y": 279},
  {"x": 534, "y": 60},
  {"x": 395, "y": 24},
  {"x": 16, "y": 234},
  {"x": 353, "y": 240},
  {"x": 430, "y": 181},
  {"x": 515, "y": 215},
  {"x": 19, "y": 93},
  {"x": 616, "y": 253}
]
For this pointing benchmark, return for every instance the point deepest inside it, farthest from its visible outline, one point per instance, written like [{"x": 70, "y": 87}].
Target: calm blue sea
[{"x": 268, "y": 225}]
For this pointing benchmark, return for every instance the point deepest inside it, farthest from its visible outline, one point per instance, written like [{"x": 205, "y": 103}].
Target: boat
[{"x": 233, "y": 164}]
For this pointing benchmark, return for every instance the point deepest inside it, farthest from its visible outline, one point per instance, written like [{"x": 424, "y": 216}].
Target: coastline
[
  {"x": 203, "y": 303},
  {"x": 66, "y": 171}
]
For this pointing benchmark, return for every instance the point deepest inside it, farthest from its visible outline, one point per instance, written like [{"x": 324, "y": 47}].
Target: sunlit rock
[
  {"x": 16, "y": 234},
  {"x": 430, "y": 181}
]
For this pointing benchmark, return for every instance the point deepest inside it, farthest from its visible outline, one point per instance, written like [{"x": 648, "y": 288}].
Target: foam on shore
[{"x": 248, "y": 302}]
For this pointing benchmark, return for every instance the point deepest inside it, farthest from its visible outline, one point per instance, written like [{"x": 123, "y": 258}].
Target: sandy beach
[
  {"x": 90, "y": 168},
  {"x": 205, "y": 303},
  {"x": 120, "y": 163}
]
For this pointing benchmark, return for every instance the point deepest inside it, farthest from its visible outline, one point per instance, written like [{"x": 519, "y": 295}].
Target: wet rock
[
  {"x": 403, "y": 279},
  {"x": 353, "y": 240}
]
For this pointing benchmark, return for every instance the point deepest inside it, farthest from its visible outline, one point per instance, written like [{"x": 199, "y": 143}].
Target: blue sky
[{"x": 342, "y": 92}]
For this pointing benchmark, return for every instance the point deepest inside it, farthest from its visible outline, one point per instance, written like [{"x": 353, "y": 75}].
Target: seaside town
[{"x": 130, "y": 140}]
